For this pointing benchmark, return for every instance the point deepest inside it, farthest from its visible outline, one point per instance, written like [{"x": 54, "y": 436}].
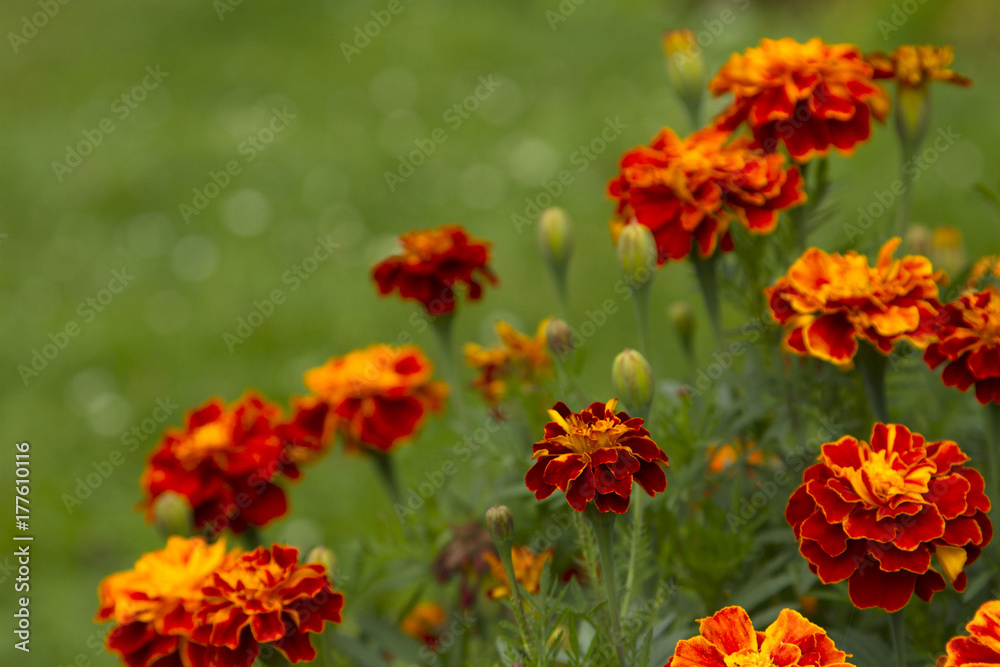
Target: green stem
[
  {"x": 800, "y": 221},
  {"x": 705, "y": 270},
  {"x": 387, "y": 471},
  {"x": 604, "y": 530},
  {"x": 443, "y": 330},
  {"x": 642, "y": 317},
  {"x": 993, "y": 460},
  {"x": 251, "y": 537},
  {"x": 562, "y": 291},
  {"x": 518, "y": 601},
  {"x": 897, "y": 623},
  {"x": 871, "y": 365},
  {"x": 633, "y": 556}
]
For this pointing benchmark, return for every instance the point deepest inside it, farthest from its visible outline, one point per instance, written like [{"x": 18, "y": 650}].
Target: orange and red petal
[{"x": 871, "y": 587}]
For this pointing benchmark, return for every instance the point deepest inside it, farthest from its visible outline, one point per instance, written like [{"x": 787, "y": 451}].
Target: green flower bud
[
  {"x": 172, "y": 514},
  {"x": 682, "y": 317},
  {"x": 637, "y": 253},
  {"x": 559, "y": 338},
  {"x": 632, "y": 378},
  {"x": 555, "y": 237},
  {"x": 324, "y": 557},
  {"x": 685, "y": 67},
  {"x": 500, "y": 523},
  {"x": 913, "y": 111}
]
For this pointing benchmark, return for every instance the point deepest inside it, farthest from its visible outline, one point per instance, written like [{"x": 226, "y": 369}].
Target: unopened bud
[
  {"x": 555, "y": 237},
  {"x": 682, "y": 317},
  {"x": 324, "y": 557},
  {"x": 500, "y": 523},
  {"x": 919, "y": 240},
  {"x": 685, "y": 66},
  {"x": 632, "y": 378},
  {"x": 172, "y": 514},
  {"x": 559, "y": 338},
  {"x": 637, "y": 253}
]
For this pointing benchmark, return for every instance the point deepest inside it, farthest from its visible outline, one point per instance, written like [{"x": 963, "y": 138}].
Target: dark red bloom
[
  {"x": 877, "y": 514},
  {"x": 593, "y": 455},
  {"x": 432, "y": 263},
  {"x": 968, "y": 332}
]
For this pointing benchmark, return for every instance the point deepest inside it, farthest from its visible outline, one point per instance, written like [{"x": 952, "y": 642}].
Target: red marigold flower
[
  {"x": 425, "y": 622},
  {"x": 875, "y": 514},
  {"x": 914, "y": 65},
  {"x": 263, "y": 597},
  {"x": 728, "y": 639},
  {"x": 377, "y": 397},
  {"x": 686, "y": 190},
  {"x": 810, "y": 96},
  {"x": 152, "y": 605},
  {"x": 968, "y": 339},
  {"x": 223, "y": 453},
  {"x": 828, "y": 301},
  {"x": 593, "y": 455},
  {"x": 521, "y": 358},
  {"x": 982, "y": 646},
  {"x": 528, "y": 567},
  {"x": 432, "y": 263}
]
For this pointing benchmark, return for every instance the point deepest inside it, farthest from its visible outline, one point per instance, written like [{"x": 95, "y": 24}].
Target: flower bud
[
  {"x": 632, "y": 378},
  {"x": 559, "y": 338},
  {"x": 918, "y": 240},
  {"x": 172, "y": 514},
  {"x": 912, "y": 115},
  {"x": 637, "y": 253},
  {"x": 555, "y": 237},
  {"x": 682, "y": 317},
  {"x": 324, "y": 557},
  {"x": 947, "y": 250},
  {"x": 685, "y": 67},
  {"x": 500, "y": 523}
]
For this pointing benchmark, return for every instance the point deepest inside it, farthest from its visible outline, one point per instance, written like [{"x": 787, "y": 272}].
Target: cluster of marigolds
[{"x": 895, "y": 515}]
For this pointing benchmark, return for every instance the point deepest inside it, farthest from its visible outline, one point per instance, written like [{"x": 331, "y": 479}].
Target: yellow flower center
[
  {"x": 420, "y": 246},
  {"x": 882, "y": 477},
  {"x": 584, "y": 438},
  {"x": 205, "y": 441},
  {"x": 749, "y": 658}
]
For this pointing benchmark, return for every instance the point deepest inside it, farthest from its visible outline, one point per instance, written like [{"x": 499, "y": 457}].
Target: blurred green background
[{"x": 348, "y": 119}]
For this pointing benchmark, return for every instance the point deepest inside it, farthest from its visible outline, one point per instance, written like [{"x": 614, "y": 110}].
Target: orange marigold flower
[
  {"x": 152, "y": 605},
  {"x": 875, "y": 514},
  {"x": 722, "y": 457},
  {"x": 433, "y": 262},
  {"x": 425, "y": 622},
  {"x": 263, "y": 597},
  {"x": 593, "y": 455},
  {"x": 968, "y": 338},
  {"x": 913, "y": 65},
  {"x": 378, "y": 396},
  {"x": 521, "y": 358},
  {"x": 528, "y": 567},
  {"x": 828, "y": 301},
  {"x": 985, "y": 270},
  {"x": 686, "y": 190},
  {"x": 982, "y": 646},
  {"x": 810, "y": 96},
  {"x": 728, "y": 639},
  {"x": 223, "y": 453}
]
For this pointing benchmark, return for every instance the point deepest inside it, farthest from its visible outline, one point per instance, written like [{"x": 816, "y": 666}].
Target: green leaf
[
  {"x": 359, "y": 654},
  {"x": 759, "y": 590}
]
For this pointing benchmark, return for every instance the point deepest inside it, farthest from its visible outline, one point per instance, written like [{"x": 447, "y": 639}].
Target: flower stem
[
  {"x": 387, "y": 471},
  {"x": 518, "y": 602},
  {"x": 993, "y": 460},
  {"x": 633, "y": 555},
  {"x": 905, "y": 199},
  {"x": 443, "y": 330},
  {"x": 871, "y": 366},
  {"x": 642, "y": 317},
  {"x": 800, "y": 226},
  {"x": 604, "y": 530},
  {"x": 897, "y": 623},
  {"x": 705, "y": 270}
]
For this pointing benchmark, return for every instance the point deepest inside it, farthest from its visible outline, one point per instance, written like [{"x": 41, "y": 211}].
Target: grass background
[{"x": 323, "y": 176}]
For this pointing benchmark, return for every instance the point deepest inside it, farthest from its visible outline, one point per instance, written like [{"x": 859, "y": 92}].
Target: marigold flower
[
  {"x": 828, "y": 301},
  {"x": 223, "y": 453},
  {"x": 875, "y": 514},
  {"x": 528, "y": 567},
  {"x": 593, "y": 455},
  {"x": 985, "y": 270},
  {"x": 263, "y": 597},
  {"x": 424, "y": 622},
  {"x": 728, "y": 639},
  {"x": 810, "y": 96},
  {"x": 968, "y": 339},
  {"x": 722, "y": 457},
  {"x": 525, "y": 360},
  {"x": 982, "y": 646},
  {"x": 433, "y": 262},
  {"x": 464, "y": 556},
  {"x": 686, "y": 190},
  {"x": 153, "y": 604},
  {"x": 378, "y": 396},
  {"x": 912, "y": 65}
]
